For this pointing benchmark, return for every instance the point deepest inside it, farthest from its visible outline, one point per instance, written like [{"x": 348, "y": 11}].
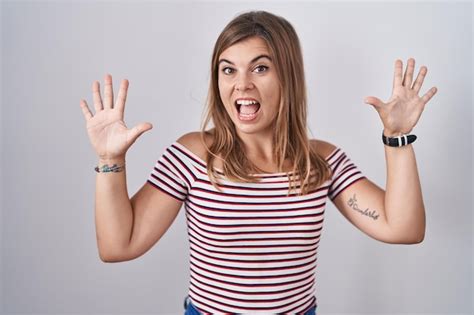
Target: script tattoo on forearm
[{"x": 353, "y": 204}]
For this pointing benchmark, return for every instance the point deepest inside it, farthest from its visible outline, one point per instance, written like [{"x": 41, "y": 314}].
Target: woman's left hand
[{"x": 402, "y": 111}]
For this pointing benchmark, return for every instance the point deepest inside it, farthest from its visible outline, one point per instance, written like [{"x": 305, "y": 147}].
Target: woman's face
[{"x": 246, "y": 76}]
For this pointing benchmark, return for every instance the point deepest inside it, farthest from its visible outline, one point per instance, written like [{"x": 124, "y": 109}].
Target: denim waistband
[{"x": 190, "y": 309}]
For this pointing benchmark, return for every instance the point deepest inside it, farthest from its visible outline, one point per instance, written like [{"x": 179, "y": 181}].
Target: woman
[{"x": 254, "y": 186}]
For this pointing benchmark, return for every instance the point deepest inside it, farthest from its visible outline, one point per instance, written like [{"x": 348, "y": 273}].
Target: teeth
[{"x": 245, "y": 102}]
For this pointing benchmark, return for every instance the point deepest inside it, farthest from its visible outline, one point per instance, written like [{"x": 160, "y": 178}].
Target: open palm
[
  {"x": 107, "y": 131},
  {"x": 403, "y": 110}
]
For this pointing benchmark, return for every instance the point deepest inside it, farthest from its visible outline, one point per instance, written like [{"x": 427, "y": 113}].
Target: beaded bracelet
[{"x": 107, "y": 169}]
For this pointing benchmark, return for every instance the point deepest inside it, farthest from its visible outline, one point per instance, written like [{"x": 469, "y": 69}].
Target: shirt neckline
[{"x": 201, "y": 161}]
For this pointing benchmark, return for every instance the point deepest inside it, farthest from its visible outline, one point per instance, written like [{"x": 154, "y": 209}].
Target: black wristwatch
[{"x": 398, "y": 141}]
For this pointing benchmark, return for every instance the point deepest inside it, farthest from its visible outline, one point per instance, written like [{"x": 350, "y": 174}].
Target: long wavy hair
[{"x": 290, "y": 138}]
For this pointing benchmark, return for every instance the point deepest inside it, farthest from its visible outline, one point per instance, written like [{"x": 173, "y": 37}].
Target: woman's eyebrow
[{"x": 252, "y": 61}]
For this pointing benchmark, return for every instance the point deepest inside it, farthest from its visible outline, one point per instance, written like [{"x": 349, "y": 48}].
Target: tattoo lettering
[{"x": 353, "y": 204}]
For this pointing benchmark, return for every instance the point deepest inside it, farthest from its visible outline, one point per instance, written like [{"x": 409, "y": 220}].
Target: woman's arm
[{"x": 404, "y": 206}]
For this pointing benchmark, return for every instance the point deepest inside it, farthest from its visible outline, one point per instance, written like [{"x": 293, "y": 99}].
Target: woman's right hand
[{"x": 107, "y": 131}]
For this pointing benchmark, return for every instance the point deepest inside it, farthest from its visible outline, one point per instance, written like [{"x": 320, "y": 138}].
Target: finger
[
  {"x": 96, "y": 96},
  {"x": 428, "y": 95},
  {"x": 397, "y": 76},
  {"x": 85, "y": 110},
  {"x": 408, "y": 78},
  {"x": 108, "y": 92},
  {"x": 122, "y": 96},
  {"x": 136, "y": 131},
  {"x": 419, "y": 79},
  {"x": 374, "y": 101}
]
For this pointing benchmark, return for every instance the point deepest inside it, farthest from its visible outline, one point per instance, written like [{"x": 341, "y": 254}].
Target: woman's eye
[
  {"x": 225, "y": 70},
  {"x": 259, "y": 69},
  {"x": 262, "y": 67}
]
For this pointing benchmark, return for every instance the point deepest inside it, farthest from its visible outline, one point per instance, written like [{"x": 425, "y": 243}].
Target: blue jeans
[{"x": 190, "y": 309}]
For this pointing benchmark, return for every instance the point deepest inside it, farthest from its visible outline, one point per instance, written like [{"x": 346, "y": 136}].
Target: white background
[{"x": 53, "y": 51}]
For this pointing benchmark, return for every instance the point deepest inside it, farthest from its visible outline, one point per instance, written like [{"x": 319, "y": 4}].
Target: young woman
[{"x": 254, "y": 186}]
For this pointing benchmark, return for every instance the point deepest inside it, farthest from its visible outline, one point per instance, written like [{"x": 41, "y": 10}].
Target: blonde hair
[{"x": 290, "y": 139}]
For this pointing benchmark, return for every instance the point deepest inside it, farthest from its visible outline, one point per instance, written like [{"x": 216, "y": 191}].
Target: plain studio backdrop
[{"x": 53, "y": 51}]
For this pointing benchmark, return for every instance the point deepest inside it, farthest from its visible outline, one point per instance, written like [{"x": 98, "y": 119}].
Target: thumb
[
  {"x": 372, "y": 100},
  {"x": 137, "y": 131}
]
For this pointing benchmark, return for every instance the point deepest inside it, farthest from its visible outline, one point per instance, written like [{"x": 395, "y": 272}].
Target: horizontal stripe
[{"x": 252, "y": 246}]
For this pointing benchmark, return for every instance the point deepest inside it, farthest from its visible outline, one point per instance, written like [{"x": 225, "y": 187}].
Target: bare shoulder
[
  {"x": 193, "y": 142},
  {"x": 323, "y": 148}
]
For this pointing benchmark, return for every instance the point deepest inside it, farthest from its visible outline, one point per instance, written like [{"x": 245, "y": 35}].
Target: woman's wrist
[
  {"x": 113, "y": 165},
  {"x": 112, "y": 161},
  {"x": 397, "y": 139},
  {"x": 391, "y": 134}
]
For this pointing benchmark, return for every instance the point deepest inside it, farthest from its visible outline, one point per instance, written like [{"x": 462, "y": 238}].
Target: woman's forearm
[
  {"x": 404, "y": 206},
  {"x": 113, "y": 213}
]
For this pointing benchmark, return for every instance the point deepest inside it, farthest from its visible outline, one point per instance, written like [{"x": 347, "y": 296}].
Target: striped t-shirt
[{"x": 253, "y": 249}]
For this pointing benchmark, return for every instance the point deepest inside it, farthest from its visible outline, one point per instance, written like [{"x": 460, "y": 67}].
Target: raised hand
[
  {"x": 403, "y": 110},
  {"x": 107, "y": 131}
]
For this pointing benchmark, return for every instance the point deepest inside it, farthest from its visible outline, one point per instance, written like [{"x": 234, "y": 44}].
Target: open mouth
[{"x": 247, "y": 107}]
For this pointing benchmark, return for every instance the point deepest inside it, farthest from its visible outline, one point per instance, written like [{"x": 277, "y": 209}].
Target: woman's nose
[{"x": 243, "y": 83}]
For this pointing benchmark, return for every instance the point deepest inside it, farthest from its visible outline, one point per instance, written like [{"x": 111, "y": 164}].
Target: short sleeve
[
  {"x": 171, "y": 174},
  {"x": 345, "y": 173}
]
